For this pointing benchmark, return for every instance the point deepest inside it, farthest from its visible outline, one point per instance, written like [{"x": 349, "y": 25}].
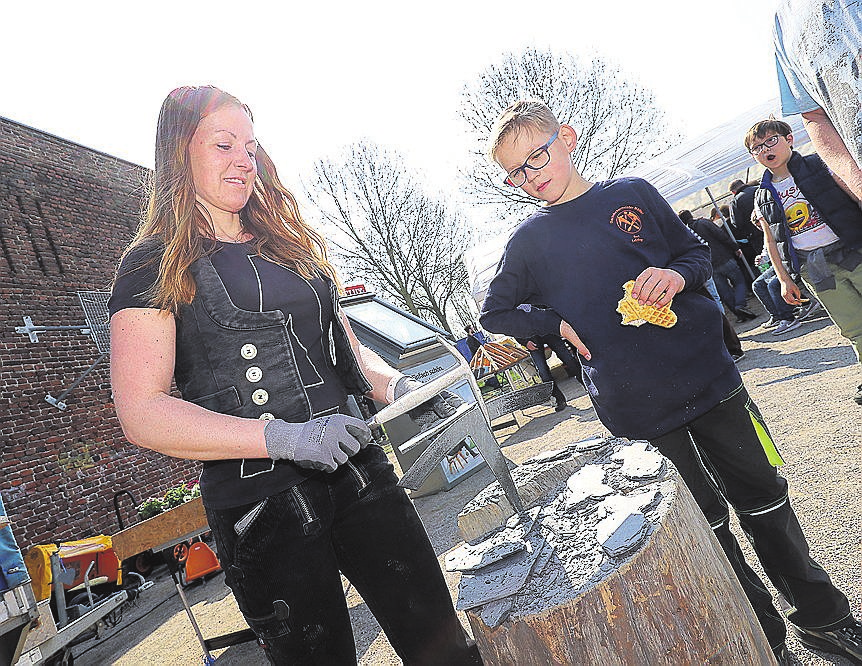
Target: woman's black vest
[
  {"x": 242, "y": 363},
  {"x": 836, "y": 208}
]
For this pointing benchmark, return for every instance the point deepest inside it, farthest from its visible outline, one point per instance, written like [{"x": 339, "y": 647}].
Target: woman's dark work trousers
[
  {"x": 722, "y": 459},
  {"x": 282, "y": 559}
]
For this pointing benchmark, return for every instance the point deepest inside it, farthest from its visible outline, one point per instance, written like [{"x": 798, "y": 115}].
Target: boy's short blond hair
[
  {"x": 531, "y": 114},
  {"x": 764, "y": 127}
]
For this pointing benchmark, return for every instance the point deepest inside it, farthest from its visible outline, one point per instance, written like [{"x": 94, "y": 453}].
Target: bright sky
[{"x": 326, "y": 74}]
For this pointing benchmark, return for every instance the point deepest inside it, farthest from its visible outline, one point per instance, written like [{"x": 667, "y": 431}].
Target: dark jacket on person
[
  {"x": 575, "y": 257},
  {"x": 817, "y": 185},
  {"x": 722, "y": 247},
  {"x": 740, "y": 214}
]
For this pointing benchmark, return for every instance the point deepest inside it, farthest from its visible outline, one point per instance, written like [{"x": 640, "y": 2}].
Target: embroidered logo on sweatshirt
[{"x": 629, "y": 219}]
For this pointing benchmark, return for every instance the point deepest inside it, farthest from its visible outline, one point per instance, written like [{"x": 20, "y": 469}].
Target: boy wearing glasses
[
  {"x": 676, "y": 387},
  {"x": 814, "y": 224}
]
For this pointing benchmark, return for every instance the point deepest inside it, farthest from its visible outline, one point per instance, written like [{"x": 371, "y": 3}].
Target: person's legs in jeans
[
  {"x": 763, "y": 288},
  {"x": 561, "y": 349},
  {"x": 713, "y": 291},
  {"x": 541, "y": 363},
  {"x": 725, "y": 291},
  {"x": 732, "y": 288},
  {"x": 733, "y": 272},
  {"x": 564, "y": 353},
  {"x": 783, "y": 308}
]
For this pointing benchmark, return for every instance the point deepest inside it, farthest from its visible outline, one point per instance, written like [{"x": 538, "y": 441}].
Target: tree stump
[{"x": 616, "y": 565}]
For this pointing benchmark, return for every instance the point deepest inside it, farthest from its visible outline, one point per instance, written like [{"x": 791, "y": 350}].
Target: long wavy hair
[{"x": 181, "y": 225}]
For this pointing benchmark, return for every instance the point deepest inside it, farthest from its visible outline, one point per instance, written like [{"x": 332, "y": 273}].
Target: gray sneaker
[
  {"x": 786, "y": 325},
  {"x": 808, "y": 309}
]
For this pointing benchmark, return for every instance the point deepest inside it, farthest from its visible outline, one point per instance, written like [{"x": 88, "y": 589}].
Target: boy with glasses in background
[
  {"x": 814, "y": 224},
  {"x": 675, "y": 386}
]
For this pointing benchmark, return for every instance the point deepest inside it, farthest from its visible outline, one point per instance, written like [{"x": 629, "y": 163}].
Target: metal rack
[{"x": 95, "y": 307}]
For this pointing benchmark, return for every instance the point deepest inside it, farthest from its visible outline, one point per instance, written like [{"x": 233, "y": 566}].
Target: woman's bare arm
[
  {"x": 142, "y": 368},
  {"x": 376, "y": 370}
]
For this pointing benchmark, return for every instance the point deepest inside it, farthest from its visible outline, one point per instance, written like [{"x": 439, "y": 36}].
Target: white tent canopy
[
  {"x": 684, "y": 169},
  {"x": 713, "y": 156},
  {"x": 481, "y": 263}
]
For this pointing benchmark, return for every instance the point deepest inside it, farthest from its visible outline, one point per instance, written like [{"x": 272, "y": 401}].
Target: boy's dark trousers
[
  {"x": 722, "y": 460},
  {"x": 284, "y": 569}
]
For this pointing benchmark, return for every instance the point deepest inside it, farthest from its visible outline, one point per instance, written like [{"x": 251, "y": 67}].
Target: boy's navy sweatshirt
[{"x": 572, "y": 260}]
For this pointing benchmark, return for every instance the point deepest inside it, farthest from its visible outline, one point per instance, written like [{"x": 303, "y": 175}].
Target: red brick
[{"x": 66, "y": 213}]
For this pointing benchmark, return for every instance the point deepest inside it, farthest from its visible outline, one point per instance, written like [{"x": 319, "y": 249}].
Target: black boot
[
  {"x": 744, "y": 315},
  {"x": 560, "y": 398}
]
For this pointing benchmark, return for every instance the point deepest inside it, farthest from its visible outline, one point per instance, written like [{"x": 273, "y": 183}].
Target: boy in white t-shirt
[{"x": 814, "y": 224}]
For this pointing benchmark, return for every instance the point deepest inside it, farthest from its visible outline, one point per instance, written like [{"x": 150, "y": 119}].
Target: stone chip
[{"x": 640, "y": 461}]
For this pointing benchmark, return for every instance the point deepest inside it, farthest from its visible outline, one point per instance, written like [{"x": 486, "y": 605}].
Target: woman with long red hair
[{"x": 228, "y": 292}]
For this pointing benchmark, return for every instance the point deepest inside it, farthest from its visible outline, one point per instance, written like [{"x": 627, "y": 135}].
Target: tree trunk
[{"x": 671, "y": 599}]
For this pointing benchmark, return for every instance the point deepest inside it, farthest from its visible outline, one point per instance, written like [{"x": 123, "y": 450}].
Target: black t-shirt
[{"x": 253, "y": 283}]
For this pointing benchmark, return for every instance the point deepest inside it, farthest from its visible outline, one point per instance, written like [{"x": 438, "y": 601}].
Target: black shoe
[
  {"x": 744, "y": 315},
  {"x": 858, "y": 396},
  {"x": 782, "y": 656},
  {"x": 846, "y": 641},
  {"x": 737, "y": 357},
  {"x": 560, "y": 406}
]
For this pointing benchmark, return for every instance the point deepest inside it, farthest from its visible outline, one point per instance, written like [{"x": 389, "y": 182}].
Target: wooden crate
[{"x": 162, "y": 531}]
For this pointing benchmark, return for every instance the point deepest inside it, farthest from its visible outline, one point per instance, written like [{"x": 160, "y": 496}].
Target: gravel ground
[{"x": 804, "y": 384}]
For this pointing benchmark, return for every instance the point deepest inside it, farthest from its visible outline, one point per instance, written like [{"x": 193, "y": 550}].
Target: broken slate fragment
[
  {"x": 545, "y": 552},
  {"x": 625, "y": 504},
  {"x": 562, "y": 524},
  {"x": 591, "y": 444},
  {"x": 470, "y": 558},
  {"x": 494, "y": 613},
  {"x": 640, "y": 461},
  {"x": 548, "y": 456},
  {"x": 499, "y": 580},
  {"x": 500, "y": 544},
  {"x": 586, "y": 483},
  {"x": 523, "y": 521},
  {"x": 621, "y": 532}
]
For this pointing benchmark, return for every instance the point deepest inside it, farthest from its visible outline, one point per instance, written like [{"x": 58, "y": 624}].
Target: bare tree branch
[
  {"x": 393, "y": 235},
  {"x": 619, "y": 124}
]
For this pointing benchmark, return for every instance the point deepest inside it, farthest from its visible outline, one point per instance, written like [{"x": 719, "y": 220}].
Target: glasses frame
[
  {"x": 771, "y": 142},
  {"x": 523, "y": 168}
]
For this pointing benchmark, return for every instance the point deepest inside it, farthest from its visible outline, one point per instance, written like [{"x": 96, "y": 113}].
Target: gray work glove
[
  {"x": 323, "y": 443},
  {"x": 441, "y": 406}
]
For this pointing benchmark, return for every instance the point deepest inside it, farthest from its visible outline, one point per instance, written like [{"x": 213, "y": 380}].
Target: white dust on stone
[
  {"x": 585, "y": 484},
  {"x": 504, "y": 542},
  {"x": 640, "y": 460},
  {"x": 573, "y": 537}
]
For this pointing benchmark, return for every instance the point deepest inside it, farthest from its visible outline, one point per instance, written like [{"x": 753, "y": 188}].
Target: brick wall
[{"x": 66, "y": 213}]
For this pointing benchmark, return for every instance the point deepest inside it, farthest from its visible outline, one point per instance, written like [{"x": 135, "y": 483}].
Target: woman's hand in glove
[
  {"x": 441, "y": 406},
  {"x": 323, "y": 443}
]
